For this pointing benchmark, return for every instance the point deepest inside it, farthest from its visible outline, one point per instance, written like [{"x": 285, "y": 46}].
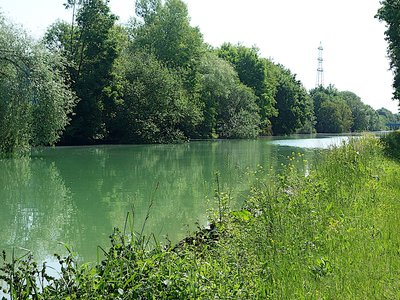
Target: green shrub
[{"x": 391, "y": 143}]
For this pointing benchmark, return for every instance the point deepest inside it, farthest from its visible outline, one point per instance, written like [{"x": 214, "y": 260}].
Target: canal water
[{"x": 77, "y": 195}]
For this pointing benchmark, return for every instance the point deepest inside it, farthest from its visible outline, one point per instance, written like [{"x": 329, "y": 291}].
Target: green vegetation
[
  {"x": 154, "y": 80},
  {"x": 294, "y": 105},
  {"x": 391, "y": 143},
  {"x": 230, "y": 108},
  {"x": 390, "y": 14},
  {"x": 325, "y": 231},
  {"x": 386, "y": 116},
  {"x": 256, "y": 73},
  {"x": 343, "y": 111},
  {"x": 90, "y": 49},
  {"x": 34, "y": 98}
]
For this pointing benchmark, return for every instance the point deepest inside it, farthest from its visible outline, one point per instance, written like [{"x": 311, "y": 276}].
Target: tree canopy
[
  {"x": 390, "y": 13},
  {"x": 230, "y": 108},
  {"x": 35, "y": 100},
  {"x": 333, "y": 114},
  {"x": 256, "y": 73},
  {"x": 164, "y": 30},
  {"x": 154, "y": 80},
  {"x": 154, "y": 105},
  {"x": 293, "y": 103},
  {"x": 90, "y": 50}
]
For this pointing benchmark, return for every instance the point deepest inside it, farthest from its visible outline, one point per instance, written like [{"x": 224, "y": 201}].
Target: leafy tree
[
  {"x": 147, "y": 9},
  {"x": 35, "y": 100},
  {"x": 374, "y": 123},
  {"x": 216, "y": 77},
  {"x": 239, "y": 114},
  {"x": 364, "y": 116},
  {"x": 358, "y": 111},
  {"x": 230, "y": 108},
  {"x": 334, "y": 117},
  {"x": 256, "y": 73},
  {"x": 164, "y": 30},
  {"x": 154, "y": 105},
  {"x": 390, "y": 13},
  {"x": 294, "y": 105},
  {"x": 90, "y": 49},
  {"x": 331, "y": 110},
  {"x": 386, "y": 116}
]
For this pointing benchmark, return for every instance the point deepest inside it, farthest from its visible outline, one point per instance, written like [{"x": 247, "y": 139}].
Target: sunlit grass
[{"x": 326, "y": 231}]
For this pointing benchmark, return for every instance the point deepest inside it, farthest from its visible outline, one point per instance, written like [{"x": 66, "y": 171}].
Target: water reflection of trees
[
  {"x": 77, "y": 194},
  {"x": 36, "y": 207},
  {"x": 106, "y": 182}
]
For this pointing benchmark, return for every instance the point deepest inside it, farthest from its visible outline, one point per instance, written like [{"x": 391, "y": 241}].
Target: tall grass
[
  {"x": 391, "y": 143},
  {"x": 332, "y": 232}
]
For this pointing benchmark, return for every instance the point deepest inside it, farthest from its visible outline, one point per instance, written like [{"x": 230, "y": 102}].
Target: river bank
[{"x": 329, "y": 231}]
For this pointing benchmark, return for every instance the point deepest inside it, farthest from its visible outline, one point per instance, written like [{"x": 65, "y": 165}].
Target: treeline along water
[
  {"x": 76, "y": 195},
  {"x": 93, "y": 81}
]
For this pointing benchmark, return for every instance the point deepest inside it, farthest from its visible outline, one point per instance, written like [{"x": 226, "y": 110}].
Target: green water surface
[{"x": 76, "y": 195}]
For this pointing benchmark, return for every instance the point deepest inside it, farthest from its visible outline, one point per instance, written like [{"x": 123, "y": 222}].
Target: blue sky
[{"x": 287, "y": 31}]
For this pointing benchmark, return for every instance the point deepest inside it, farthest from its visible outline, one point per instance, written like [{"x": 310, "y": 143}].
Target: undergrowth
[
  {"x": 391, "y": 144},
  {"x": 329, "y": 231}
]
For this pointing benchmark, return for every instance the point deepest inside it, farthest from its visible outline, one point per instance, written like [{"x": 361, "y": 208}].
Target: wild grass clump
[
  {"x": 391, "y": 143},
  {"x": 329, "y": 231}
]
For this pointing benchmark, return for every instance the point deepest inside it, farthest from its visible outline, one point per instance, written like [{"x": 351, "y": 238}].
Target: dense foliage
[
  {"x": 255, "y": 72},
  {"x": 343, "y": 111},
  {"x": 294, "y": 105},
  {"x": 387, "y": 117},
  {"x": 390, "y": 13},
  {"x": 90, "y": 50},
  {"x": 230, "y": 108},
  {"x": 154, "y": 106},
  {"x": 35, "y": 101},
  {"x": 391, "y": 142},
  {"x": 347, "y": 248},
  {"x": 365, "y": 118},
  {"x": 154, "y": 80}
]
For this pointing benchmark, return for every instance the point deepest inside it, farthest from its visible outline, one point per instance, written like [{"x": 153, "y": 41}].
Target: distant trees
[
  {"x": 358, "y": 110},
  {"x": 254, "y": 72},
  {"x": 230, "y": 108},
  {"x": 386, "y": 116},
  {"x": 334, "y": 116},
  {"x": 365, "y": 118},
  {"x": 390, "y": 13},
  {"x": 156, "y": 81},
  {"x": 293, "y": 103},
  {"x": 343, "y": 111},
  {"x": 35, "y": 100},
  {"x": 331, "y": 110}
]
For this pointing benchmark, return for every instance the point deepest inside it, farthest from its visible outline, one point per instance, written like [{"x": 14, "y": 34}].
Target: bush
[{"x": 391, "y": 143}]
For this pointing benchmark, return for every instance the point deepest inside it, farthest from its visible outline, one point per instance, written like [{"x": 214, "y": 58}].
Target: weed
[{"x": 326, "y": 231}]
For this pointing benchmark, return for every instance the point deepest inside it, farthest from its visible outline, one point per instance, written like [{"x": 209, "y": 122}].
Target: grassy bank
[{"x": 328, "y": 232}]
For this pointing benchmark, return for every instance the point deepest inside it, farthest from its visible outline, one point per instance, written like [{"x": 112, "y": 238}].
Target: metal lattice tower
[{"x": 320, "y": 70}]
